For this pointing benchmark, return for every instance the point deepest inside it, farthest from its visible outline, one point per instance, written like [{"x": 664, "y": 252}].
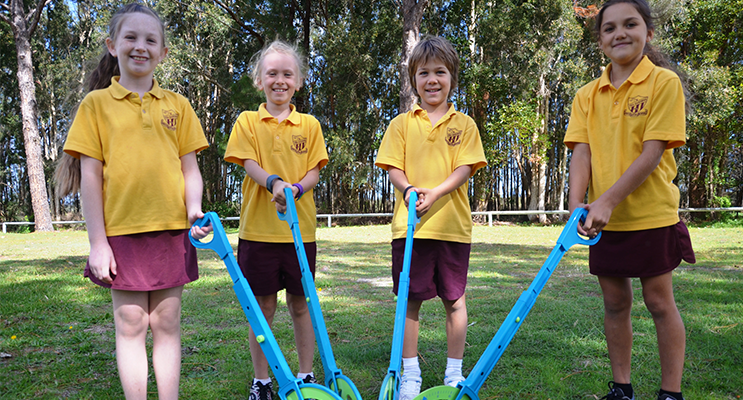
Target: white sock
[
  {"x": 453, "y": 366},
  {"x": 302, "y": 375},
  {"x": 411, "y": 367},
  {"x": 263, "y": 381}
]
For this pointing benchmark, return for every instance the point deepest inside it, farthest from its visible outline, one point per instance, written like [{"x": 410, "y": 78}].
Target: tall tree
[
  {"x": 412, "y": 14},
  {"x": 23, "y": 24}
]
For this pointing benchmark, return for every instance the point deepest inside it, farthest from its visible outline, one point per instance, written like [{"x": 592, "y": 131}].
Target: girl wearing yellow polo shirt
[
  {"x": 141, "y": 190},
  {"x": 279, "y": 148},
  {"x": 623, "y": 129}
]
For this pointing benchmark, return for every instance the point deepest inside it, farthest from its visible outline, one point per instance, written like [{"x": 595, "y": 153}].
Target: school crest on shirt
[
  {"x": 453, "y": 137},
  {"x": 636, "y": 106},
  {"x": 299, "y": 144},
  {"x": 170, "y": 119}
]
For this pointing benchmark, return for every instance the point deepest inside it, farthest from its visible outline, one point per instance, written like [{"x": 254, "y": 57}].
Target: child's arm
[
  {"x": 600, "y": 210},
  {"x": 580, "y": 175},
  {"x": 427, "y": 197},
  {"x": 101, "y": 259},
  {"x": 194, "y": 192},
  {"x": 258, "y": 174}
]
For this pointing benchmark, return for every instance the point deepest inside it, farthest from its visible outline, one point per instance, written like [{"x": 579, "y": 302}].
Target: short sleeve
[
  {"x": 190, "y": 135},
  {"x": 83, "y": 136},
  {"x": 578, "y": 126},
  {"x": 471, "y": 152},
  {"x": 667, "y": 117},
  {"x": 391, "y": 151},
  {"x": 241, "y": 144},
  {"x": 319, "y": 153}
]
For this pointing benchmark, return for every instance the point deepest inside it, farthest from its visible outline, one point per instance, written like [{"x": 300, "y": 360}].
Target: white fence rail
[{"x": 490, "y": 214}]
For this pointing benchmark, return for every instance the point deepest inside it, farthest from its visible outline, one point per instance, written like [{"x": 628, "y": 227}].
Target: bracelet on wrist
[
  {"x": 270, "y": 180},
  {"x": 301, "y": 191},
  {"x": 405, "y": 192}
]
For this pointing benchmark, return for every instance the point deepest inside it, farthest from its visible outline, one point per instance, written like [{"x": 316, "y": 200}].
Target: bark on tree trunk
[
  {"x": 34, "y": 160},
  {"x": 412, "y": 15}
]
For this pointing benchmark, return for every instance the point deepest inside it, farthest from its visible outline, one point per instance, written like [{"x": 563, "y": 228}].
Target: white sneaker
[
  {"x": 453, "y": 380},
  {"x": 410, "y": 387}
]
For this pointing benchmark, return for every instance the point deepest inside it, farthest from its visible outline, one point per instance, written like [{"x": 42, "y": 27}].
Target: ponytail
[{"x": 67, "y": 174}]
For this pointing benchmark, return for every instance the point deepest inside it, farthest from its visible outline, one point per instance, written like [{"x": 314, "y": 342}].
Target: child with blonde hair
[{"x": 279, "y": 148}]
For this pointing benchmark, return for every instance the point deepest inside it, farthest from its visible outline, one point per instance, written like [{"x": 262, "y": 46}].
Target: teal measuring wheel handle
[
  {"x": 334, "y": 378},
  {"x": 391, "y": 383},
  {"x": 290, "y": 387},
  {"x": 469, "y": 388}
]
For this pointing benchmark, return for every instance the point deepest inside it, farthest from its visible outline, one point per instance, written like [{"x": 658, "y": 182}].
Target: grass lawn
[{"x": 57, "y": 333}]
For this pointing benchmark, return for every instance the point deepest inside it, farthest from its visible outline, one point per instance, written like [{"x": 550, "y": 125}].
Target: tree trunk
[
  {"x": 412, "y": 15},
  {"x": 22, "y": 33},
  {"x": 538, "y": 163}
]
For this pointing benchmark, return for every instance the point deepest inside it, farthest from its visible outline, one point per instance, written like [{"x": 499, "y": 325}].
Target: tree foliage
[{"x": 521, "y": 63}]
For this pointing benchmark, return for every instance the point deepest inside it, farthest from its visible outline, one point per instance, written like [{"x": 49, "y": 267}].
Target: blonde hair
[
  {"x": 67, "y": 173},
  {"x": 281, "y": 47},
  {"x": 436, "y": 48}
]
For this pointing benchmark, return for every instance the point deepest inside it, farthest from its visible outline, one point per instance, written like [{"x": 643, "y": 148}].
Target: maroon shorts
[
  {"x": 640, "y": 254},
  {"x": 270, "y": 267},
  {"x": 437, "y": 267},
  {"x": 151, "y": 261}
]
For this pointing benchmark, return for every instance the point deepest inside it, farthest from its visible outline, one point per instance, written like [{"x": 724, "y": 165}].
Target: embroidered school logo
[
  {"x": 453, "y": 137},
  {"x": 170, "y": 119},
  {"x": 636, "y": 106},
  {"x": 299, "y": 144}
]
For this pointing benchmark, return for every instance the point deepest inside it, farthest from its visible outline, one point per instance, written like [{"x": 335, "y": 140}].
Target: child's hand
[
  {"x": 198, "y": 232},
  {"x": 598, "y": 216},
  {"x": 278, "y": 194},
  {"x": 102, "y": 262},
  {"x": 426, "y": 199}
]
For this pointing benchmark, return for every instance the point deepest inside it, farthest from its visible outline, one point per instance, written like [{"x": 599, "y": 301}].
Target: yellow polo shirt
[
  {"x": 140, "y": 142},
  {"x": 288, "y": 149},
  {"x": 615, "y": 122},
  {"x": 428, "y": 155}
]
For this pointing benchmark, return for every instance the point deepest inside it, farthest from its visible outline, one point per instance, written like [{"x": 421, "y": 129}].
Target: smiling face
[
  {"x": 433, "y": 84},
  {"x": 138, "y": 46},
  {"x": 278, "y": 79},
  {"x": 623, "y": 34}
]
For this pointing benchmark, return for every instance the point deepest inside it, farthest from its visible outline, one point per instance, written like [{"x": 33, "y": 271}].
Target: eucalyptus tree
[{"x": 23, "y": 23}]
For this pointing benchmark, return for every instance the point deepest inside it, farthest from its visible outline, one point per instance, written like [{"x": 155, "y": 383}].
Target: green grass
[{"x": 57, "y": 334}]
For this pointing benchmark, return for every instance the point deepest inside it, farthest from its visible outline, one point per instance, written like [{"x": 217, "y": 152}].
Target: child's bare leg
[
  {"x": 618, "y": 325},
  {"x": 658, "y": 294},
  {"x": 304, "y": 335},
  {"x": 131, "y": 320},
  {"x": 165, "y": 322},
  {"x": 260, "y": 364},
  {"x": 456, "y": 326},
  {"x": 410, "y": 343}
]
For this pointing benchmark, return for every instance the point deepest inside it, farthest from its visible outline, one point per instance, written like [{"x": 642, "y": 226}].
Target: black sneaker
[
  {"x": 311, "y": 379},
  {"x": 666, "y": 396},
  {"x": 259, "y": 391},
  {"x": 616, "y": 393}
]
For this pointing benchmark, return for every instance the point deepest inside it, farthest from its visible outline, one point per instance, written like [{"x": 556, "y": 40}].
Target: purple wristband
[{"x": 301, "y": 190}]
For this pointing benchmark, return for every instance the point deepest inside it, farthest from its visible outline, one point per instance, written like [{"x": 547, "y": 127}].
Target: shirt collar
[
  {"x": 119, "y": 92},
  {"x": 293, "y": 117},
  {"x": 449, "y": 113},
  {"x": 641, "y": 72}
]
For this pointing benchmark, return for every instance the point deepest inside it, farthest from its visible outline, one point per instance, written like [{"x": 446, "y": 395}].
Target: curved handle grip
[
  {"x": 219, "y": 242},
  {"x": 290, "y": 215},
  {"x": 570, "y": 236}
]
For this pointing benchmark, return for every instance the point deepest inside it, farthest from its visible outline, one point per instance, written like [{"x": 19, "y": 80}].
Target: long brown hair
[{"x": 67, "y": 173}]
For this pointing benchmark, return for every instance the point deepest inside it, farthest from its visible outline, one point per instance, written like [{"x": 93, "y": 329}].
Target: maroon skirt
[
  {"x": 640, "y": 254},
  {"x": 151, "y": 261}
]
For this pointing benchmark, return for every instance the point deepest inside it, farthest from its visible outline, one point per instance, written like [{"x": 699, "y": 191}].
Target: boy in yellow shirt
[{"x": 433, "y": 150}]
